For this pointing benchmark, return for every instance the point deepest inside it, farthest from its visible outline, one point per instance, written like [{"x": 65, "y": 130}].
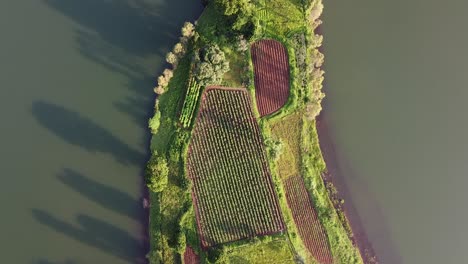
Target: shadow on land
[
  {"x": 338, "y": 173},
  {"x": 102, "y": 194},
  {"x": 83, "y": 132},
  {"x": 122, "y": 35},
  {"x": 96, "y": 233}
]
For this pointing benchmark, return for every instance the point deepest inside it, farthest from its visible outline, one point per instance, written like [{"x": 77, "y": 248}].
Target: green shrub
[
  {"x": 156, "y": 173},
  {"x": 154, "y": 122}
]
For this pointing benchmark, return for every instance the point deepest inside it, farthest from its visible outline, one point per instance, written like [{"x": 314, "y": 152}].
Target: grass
[
  {"x": 288, "y": 131},
  {"x": 237, "y": 64},
  {"x": 276, "y": 251},
  {"x": 168, "y": 207}
]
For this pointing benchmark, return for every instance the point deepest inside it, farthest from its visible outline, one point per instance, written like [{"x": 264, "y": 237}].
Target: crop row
[
  {"x": 190, "y": 103},
  {"x": 190, "y": 256},
  {"x": 309, "y": 227},
  {"x": 271, "y": 69},
  {"x": 232, "y": 187}
]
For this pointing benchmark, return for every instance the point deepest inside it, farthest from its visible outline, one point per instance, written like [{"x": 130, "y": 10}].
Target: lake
[
  {"x": 76, "y": 82},
  {"x": 396, "y": 85}
]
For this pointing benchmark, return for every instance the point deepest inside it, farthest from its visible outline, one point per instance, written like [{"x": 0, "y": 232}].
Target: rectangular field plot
[
  {"x": 271, "y": 75},
  {"x": 232, "y": 187}
]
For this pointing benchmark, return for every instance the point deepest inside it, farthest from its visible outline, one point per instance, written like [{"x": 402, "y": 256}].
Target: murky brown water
[
  {"x": 76, "y": 90},
  {"x": 396, "y": 84}
]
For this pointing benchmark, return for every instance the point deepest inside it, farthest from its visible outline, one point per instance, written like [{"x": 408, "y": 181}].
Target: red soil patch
[
  {"x": 309, "y": 227},
  {"x": 190, "y": 257},
  {"x": 271, "y": 68}
]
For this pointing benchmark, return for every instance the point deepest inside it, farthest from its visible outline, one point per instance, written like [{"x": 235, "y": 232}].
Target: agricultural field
[
  {"x": 190, "y": 256},
  {"x": 306, "y": 219},
  {"x": 271, "y": 69},
  {"x": 232, "y": 190}
]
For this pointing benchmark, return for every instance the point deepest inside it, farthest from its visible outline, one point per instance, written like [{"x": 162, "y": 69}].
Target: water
[
  {"x": 76, "y": 80},
  {"x": 396, "y": 84}
]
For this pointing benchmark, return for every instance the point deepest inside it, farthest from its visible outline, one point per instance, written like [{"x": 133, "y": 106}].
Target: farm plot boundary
[
  {"x": 271, "y": 75},
  {"x": 232, "y": 189}
]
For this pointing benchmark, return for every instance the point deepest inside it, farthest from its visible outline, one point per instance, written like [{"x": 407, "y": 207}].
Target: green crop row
[
  {"x": 190, "y": 103},
  {"x": 233, "y": 190}
]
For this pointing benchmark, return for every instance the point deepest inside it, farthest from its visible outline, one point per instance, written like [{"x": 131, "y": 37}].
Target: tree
[
  {"x": 312, "y": 110},
  {"x": 162, "y": 81},
  {"x": 179, "y": 50},
  {"x": 168, "y": 74},
  {"x": 240, "y": 12},
  {"x": 158, "y": 90},
  {"x": 157, "y": 173},
  {"x": 188, "y": 30},
  {"x": 210, "y": 66},
  {"x": 172, "y": 59}
]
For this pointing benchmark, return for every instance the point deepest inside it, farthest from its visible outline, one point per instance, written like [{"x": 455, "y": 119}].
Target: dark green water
[
  {"x": 76, "y": 80},
  {"x": 396, "y": 84}
]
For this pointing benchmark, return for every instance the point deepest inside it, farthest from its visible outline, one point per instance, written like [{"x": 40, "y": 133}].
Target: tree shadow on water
[
  {"x": 102, "y": 194},
  {"x": 122, "y": 34},
  {"x": 96, "y": 233},
  {"x": 83, "y": 132}
]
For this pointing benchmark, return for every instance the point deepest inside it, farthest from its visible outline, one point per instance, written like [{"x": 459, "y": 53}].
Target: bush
[
  {"x": 154, "y": 122},
  {"x": 156, "y": 173},
  {"x": 275, "y": 148}
]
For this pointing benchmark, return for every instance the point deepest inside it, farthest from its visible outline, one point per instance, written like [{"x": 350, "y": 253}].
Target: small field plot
[
  {"x": 310, "y": 229},
  {"x": 232, "y": 190},
  {"x": 271, "y": 70},
  {"x": 190, "y": 256}
]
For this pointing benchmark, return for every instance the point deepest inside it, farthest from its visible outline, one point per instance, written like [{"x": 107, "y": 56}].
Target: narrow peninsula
[{"x": 236, "y": 173}]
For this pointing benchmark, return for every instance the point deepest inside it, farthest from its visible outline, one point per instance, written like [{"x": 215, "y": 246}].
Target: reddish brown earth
[
  {"x": 309, "y": 227},
  {"x": 271, "y": 70},
  {"x": 190, "y": 256}
]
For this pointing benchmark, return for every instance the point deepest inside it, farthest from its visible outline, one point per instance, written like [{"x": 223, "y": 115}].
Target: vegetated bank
[{"x": 217, "y": 51}]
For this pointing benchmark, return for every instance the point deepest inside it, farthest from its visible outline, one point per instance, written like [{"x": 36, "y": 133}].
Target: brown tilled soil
[
  {"x": 271, "y": 69},
  {"x": 190, "y": 257},
  {"x": 309, "y": 227}
]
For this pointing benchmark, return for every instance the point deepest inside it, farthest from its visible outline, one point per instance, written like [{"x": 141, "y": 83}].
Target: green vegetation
[
  {"x": 210, "y": 65},
  {"x": 156, "y": 173},
  {"x": 216, "y": 52},
  {"x": 190, "y": 103},
  {"x": 260, "y": 251},
  {"x": 288, "y": 130}
]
